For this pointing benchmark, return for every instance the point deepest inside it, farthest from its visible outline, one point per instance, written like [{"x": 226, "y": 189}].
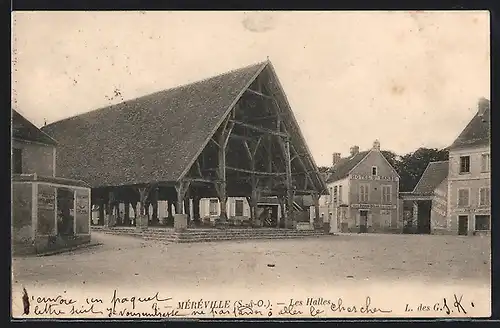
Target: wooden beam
[
  {"x": 255, "y": 172},
  {"x": 181, "y": 188},
  {"x": 268, "y": 117},
  {"x": 308, "y": 176},
  {"x": 239, "y": 137},
  {"x": 198, "y": 167},
  {"x": 256, "y": 147},
  {"x": 288, "y": 182},
  {"x": 259, "y": 93},
  {"x": 215, "y": 142},
  {"x": 260, "y": 129},
  {"x": 202, "y": 180},
  {"x": 249, "y": 152}
]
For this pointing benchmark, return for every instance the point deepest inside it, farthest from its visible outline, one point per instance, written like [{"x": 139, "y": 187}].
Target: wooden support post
[
  {"x": 102, "y": 204},
  {"x": 180, "y": 220},
  {"x": 126, "y": 218},
  {"x": 317, "y": 223},
  {"x": 285, "y": 145},
  {"x": 196, "y": 210},
  {"x": 169, "y": 208},
  {"x": 182, "y": 189},
  {"x": 281, "y": 201},
  {"x": 221, "y": 170},
  {"x": 142, "y": 220},
  {"x": 187, "y": 208},
  {"x": 154, "y": 219},
  {"x": 110, "y": 217}
]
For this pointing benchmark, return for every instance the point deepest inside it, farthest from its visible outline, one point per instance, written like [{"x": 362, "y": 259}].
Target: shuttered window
[
  {"x": 386, "y": 194},
  {"x": 485, "y": 162},
  {"x": 363, "y": 193},
  {"x": 484, "y": 196},
  {"x": 238, "y": 207},
  {"x": 463, "y": 197}
]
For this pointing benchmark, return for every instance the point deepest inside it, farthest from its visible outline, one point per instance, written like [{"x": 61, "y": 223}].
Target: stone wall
[{"x": 22, "y": 228}]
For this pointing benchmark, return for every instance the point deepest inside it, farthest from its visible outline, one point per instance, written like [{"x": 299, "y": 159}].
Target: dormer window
[{"x": 374, "y": 170}]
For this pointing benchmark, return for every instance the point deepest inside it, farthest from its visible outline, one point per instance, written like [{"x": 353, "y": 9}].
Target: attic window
[{"x": 374, "y": 170}]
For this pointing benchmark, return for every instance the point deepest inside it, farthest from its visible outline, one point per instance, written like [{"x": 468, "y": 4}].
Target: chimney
[
  {"x": 376, "y": 145},
  {"x": 483, "y": 106},
  {"x": 335, "y": 158},
  {"x": 354, "y": 150}
]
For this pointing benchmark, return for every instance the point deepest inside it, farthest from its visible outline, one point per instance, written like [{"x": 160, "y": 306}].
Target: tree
[
  {"x": 392, "y": 158},
  {"x": 412, "y": 165}
]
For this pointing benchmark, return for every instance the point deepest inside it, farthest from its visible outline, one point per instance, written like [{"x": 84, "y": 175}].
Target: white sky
[{"x": 407, "y": 79}]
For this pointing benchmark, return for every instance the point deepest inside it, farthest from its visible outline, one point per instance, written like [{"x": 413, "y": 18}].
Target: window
[
  {"x": 464, "y": 164},
  {"x": 484, "y": 197},
  {"x": 331, "y": 195},
  {"x": 214, "y": 206},
  {"x": 340, "y": 194},
  {"x": 17, "y": 161},
  {"x": 463, "y": 197},
  {"x": 335, "y": 195},
  {"x": 482, "y": 222},
  {"x": 374, "y": 170},
  {"x": 386, "y": 194},
  {"x": 485, "y": 162},
  {"x": 363, "y": 193},
  {"x": 238, "y": 207}
]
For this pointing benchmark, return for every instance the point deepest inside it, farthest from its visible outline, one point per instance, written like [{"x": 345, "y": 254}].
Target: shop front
[{"x": 49, "y": 213}]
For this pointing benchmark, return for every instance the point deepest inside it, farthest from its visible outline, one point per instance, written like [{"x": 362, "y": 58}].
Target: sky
[{"x": 408, "y": 79}]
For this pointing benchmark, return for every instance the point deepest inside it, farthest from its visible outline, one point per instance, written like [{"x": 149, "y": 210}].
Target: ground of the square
[{"x": 326, "y": 260}]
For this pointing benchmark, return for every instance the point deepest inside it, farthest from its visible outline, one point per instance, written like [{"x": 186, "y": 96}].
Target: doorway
[
  {"x": 363, "y": 221},
  {"x": 65, "y": 212},
  {"x": 463, "y": 225},
  {"x": 424, "y": 217}
]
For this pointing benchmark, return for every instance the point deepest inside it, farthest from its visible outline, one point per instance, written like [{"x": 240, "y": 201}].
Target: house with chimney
[
  {"x": 454, "y": 196},
  {"x": 363, "y": 193},
  {"x": 469, "y": 177}
]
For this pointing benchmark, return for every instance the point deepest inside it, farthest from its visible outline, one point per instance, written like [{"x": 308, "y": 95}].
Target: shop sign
[
  {"x": 46, "y": 201},
  {"x": 381, "y": 206},
  {"x": 82, "y": 204},
  {"x": 472, "y": 210},
  {"x": 372, "y": 177}
]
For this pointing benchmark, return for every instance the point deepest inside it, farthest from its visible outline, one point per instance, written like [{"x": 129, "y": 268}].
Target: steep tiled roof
[
  {"x": 345, "y": 165},
  {"x": 433, "y": 175},
  {"x": 136, "y": 140},
  {"x": 156, "y": 137},
  {"x": 25, "y": 130},
  {"x": 476, "y": 133}
]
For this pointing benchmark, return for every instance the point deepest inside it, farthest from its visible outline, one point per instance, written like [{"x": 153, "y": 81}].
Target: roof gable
[
  {"x": 157, "y": 138},
  {"x": 345, "y": 165},
  {"x": 434, "y": 174},
  {"x": 134, "y": 141},
  {"x": 23, "y": 129},
  {"x": 477, "y": 131}
]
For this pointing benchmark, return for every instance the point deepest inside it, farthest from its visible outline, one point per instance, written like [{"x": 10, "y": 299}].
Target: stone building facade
[
  {"x": 363, "y": 193},
  {"x": 469, "y": 178}
]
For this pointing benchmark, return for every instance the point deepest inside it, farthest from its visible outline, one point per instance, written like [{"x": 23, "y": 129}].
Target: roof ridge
[{"x": 180, "y": 86}]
